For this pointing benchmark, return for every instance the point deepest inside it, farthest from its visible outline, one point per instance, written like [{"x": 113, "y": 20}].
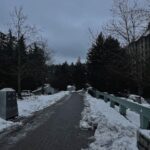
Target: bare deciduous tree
[
  {"x": 129, "y": 21},
  {"x": 20, "y": 29},
  {"x": 19, "y": 26},
  {"x": 43, "y": 43}
]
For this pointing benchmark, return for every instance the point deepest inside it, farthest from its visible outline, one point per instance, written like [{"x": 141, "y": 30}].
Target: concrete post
[
  {"x": 144, "y": 122},
  {"x": 105, "y": 99},
  {"x": 112, "y": 104},
  {"x": 122, "y": 110}
]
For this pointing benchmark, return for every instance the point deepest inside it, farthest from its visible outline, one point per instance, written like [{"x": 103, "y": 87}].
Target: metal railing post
[
  {"x": 112, "y": 104},
  {"x": 144, "y": 122},
  {"x": 105, "y": 99},
  {"x": 122, "y": 110}
]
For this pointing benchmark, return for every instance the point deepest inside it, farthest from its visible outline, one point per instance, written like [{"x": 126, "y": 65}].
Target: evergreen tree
[
  {"x": 95, "y": 62},
  {"x": 20, "y": 66},
  {"x": 79, "y": 75},
  {"x": 36, "y": 67},
  {"x": 106, "y": 63}
]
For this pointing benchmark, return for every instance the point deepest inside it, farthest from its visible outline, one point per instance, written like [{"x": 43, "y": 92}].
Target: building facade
[{"x": 139, "y": 52}]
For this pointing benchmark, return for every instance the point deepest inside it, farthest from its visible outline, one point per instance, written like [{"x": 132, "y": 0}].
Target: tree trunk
[
  {"x": 140, "y": 88},
  {"x": 19, "y": 85},
  {"x": 19, "y": 74}
]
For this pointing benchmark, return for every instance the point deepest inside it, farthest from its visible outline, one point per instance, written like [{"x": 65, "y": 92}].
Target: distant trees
[
  {"x": 36, "y": 66},
  {"x": 62, "y": 75}
]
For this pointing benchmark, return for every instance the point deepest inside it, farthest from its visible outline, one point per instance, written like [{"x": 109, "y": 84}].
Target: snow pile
[
  {"x": 29, "y": 105},
  {"x": 71, "y": 88},
  {"x": 35, "y": 103},
  {"x": 7, "y": 89},
  {"x": 114, "y": 132},
  {"x": 7, "y": 124},
  {"x": 137, "y": 98}
]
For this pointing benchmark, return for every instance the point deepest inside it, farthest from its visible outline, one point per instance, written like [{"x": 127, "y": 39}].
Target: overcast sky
[{"x": 64, "y": 23}]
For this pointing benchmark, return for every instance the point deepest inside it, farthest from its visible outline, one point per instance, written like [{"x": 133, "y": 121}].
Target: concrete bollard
[
  {"x": 106, "y": 99},
  {"x": 8, "y": 104},
  {"x": 144, "y": 122},
  {"x": 112, "y": 104},
  {"x": 122, "y": 110}
]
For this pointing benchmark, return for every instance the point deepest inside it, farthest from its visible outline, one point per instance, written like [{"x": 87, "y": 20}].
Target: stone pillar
[
  {"x": 143, "y": 142},
  {"x": 8, "y": 104}
]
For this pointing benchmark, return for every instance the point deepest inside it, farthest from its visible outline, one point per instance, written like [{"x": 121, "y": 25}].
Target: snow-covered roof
[
  {"x": 146, "y": 133},
  {"x": 7, "y": 89},
  {"x": 145, "y": 34}
]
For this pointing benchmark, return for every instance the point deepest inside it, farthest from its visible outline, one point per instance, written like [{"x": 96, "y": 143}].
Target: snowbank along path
[
  {"x": 60, "y": 130},
  {"x": 114, "y": 132}
]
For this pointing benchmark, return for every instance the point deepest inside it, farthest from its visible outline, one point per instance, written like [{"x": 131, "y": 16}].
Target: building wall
[{"x": 139, "y": 52}]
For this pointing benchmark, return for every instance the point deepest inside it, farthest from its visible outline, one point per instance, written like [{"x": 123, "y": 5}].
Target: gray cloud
[{"x": 64, "y": 23}]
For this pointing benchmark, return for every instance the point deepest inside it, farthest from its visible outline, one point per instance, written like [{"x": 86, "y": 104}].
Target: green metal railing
[{"x": 124, "y": 104}]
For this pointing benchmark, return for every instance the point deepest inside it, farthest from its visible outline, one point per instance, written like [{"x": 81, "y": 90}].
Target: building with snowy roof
[{"x": 139, "y": 52}]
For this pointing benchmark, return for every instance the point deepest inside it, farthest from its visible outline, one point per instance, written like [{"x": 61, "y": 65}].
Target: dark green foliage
[
  {"x": 107, "y": 65},
  {"x": 32, "y": 66},
  {"x": 62, "y": 75}
]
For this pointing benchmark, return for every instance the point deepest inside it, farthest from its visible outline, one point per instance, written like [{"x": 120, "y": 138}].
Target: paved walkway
[{"x": 60, "y": 131}]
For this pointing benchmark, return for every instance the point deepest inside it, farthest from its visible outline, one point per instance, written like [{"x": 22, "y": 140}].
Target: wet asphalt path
[{"x": 60, "y": 131}]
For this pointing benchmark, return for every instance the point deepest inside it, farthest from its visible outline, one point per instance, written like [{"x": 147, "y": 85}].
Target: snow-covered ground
[
  {"x": 30, "y": 105},
  {"x": 114, "y": 132},
  {"x": 35, "y": 103},
  {"x": 7, "y": 124}
]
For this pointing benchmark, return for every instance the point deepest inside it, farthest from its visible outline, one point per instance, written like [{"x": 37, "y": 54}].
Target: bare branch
[
  {"x": 129, "y": 21},
  {"x": 19, "y": 26}
]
